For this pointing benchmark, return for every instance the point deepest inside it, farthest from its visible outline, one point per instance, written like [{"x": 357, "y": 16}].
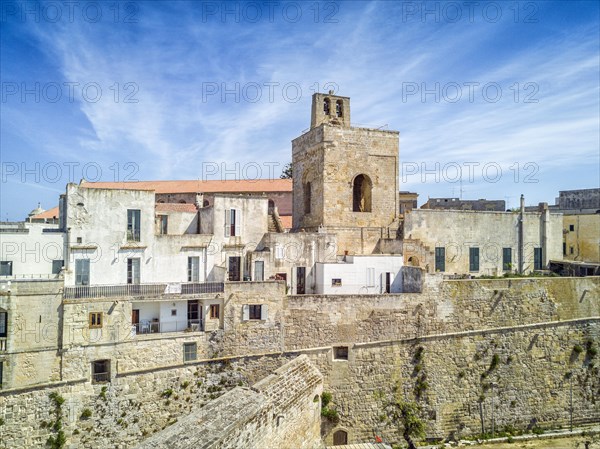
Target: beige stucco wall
[{"x": 584, "y": 240}]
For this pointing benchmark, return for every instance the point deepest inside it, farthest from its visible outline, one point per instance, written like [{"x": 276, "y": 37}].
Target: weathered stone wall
[
  {"x": 281, "y": 411},
  {"x": 330, "y": 157},
  {"x": 460, "y": 324},
  {"x": 532, "y": 381},
  {"x": 583, "y": 242},
  {"x": 457, "y": 231}
]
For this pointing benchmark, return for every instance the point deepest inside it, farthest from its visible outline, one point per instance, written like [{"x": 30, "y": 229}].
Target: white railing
[
  {"x": 156, "y": 327},
  {"x": 16, "y": 277},
  {"x": 136, "y": 290}
]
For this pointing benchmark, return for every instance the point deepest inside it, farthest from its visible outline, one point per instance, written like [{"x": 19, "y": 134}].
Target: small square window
[
  {"x": 571, "y": 227},
  {"x": 255, "y": 311},
  {"x": 340, "y": 353},
  {"x": 190, "y": 352},
  {"x": 336, "y": 282},
  {"x": 95, "y": 320},
  {"x": 214, "y": 311},
  {"x": 173, "y": 312},
  {"x": 100, "y": 371},
  {"x": 79, "y": 240}
]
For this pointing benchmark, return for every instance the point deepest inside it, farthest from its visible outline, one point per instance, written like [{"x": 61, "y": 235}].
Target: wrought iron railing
[
  {"x": 100, "y": 377},
  {"x": 136, "y": 290}
]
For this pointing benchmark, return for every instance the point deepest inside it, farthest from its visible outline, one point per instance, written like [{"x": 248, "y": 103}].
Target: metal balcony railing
[
  {"x": 137, "y": 290},
  {"x": 100, "y": 377},
  {"x": 156, "y": 327}
]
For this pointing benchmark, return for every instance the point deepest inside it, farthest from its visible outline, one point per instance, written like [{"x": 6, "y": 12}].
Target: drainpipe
[
  {"x": 520, "y": 231},
  {"x": 545, "y": 218}
]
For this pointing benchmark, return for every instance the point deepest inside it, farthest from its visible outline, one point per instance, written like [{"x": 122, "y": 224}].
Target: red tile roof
[
  {"x": 50, "y": 213},
  {"x": 245, "y": 186},
  {"x": 175, "y": 207}
]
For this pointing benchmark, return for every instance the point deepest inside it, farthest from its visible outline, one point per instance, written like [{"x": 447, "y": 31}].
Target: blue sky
[{"x": 504, "y": 95}]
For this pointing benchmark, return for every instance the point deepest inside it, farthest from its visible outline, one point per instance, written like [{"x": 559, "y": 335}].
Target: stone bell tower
[
  {"x": 345, "y": 179},
  {"x": 329, "y": 108}
]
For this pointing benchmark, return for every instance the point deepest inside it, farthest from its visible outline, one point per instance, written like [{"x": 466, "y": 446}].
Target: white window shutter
[
  {"x": 245, "y": 312},
  {"x": 264, "y": 312},
  {"x": 238, "y": 222},
  {"x": 227, "y": 222}
]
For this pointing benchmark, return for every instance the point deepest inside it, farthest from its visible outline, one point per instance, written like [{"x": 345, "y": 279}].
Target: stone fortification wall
[{"x": 281, "y": 411}]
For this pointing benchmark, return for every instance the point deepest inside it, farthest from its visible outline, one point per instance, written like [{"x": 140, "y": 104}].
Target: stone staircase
[{"x": 274, "y": 224}]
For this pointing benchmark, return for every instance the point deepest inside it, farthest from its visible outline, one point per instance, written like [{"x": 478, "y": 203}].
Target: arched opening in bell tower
[{"x": 361, "y": 194}]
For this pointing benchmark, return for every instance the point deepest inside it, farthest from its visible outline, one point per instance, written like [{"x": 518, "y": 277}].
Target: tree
[
  {"x": 405, "y": 415},
  {"x": 286, "y": 173}
]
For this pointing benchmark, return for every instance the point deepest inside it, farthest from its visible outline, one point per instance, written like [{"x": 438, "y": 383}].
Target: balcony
[
  {"x": 141, "y": 290},
  {"x": 157, "y": 327}
]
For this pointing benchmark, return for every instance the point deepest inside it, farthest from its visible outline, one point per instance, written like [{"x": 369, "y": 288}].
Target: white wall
[
  {"x": 354, "y": 275},
  {"x": 99, "y": 218},
  {"x": 31, "y": 251}
]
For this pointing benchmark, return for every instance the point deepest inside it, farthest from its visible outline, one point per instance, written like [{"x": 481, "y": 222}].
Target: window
[
  {"x": 340, "y": 353},
  {"x": 336, "y": 282},
  {"x": 3, "y": 324},
  {"x": 473, "y": 259},
  {"x": 95, "y": 320},
  {"x": 279, "y": 251},
  {"x": 361, "y": 194},
  {"x": 133, "y": 270},
  {"x": 57, "y": 266},
  {"x": 564, "y": 248},
  {"x": 388, "y": 282},
  {"x": 571, "y": 228},
  {"x": 5, "y": 268},
  {"x": 193, "y": 311},
  {"x": 82, "y": 272},
  {"x": 327, "y": 106},
  {"x": 440, "y": 259},
  {"x": 254, "y": 312},
  {"x": 235, "y": 264},
  {"x": 370, "y": 277},
  {"x": 190, "y": 352},
  {"x": 100, "y": 371},
  {"x": 571, "y": 249},
  {"x": 307, "y": 197},
  {"x": 163, "y": 222},
  {"x": 193, "y": 269},
  {"x": 338, "y": 108},
  {"x": 233, "y": 220},
  {"x": 133, "y": 225},
  {"x": 259, "y": 270},
  {"x": 537, "y": 259},
  {"x": 173, "y": 312},
  {"x": 1, "y": 369},
  {"x": 214, "y": 311},
  {"x": 300, "y": 280},
  {"x": 506, "y": 259}
]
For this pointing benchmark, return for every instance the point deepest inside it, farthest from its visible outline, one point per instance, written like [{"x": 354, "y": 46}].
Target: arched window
[
  {"x": 361, "y": 194},
  {"x": 205, "y": 203},
  {"x": 271, "y": 207},
  {"x": 327, "y": 106},
  {"x": 338, "y": 108},
  {"x": 307, "y": 197},
  {"x": 340, "y": 438}
]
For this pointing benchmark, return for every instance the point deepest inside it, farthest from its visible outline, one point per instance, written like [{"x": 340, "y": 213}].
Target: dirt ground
[{"x": 557, "y": 443}]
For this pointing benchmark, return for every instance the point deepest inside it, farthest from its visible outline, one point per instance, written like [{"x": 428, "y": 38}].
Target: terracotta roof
[
  {"x": 286, "y": 221},
  {"x": 50, "y": 213},
  {"x": 176, "y": 207},
  {"x": 260, "y": 185}
]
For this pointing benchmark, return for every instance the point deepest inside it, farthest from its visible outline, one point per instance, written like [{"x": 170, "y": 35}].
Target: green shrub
[
  {"x": 86, "y": 413},
  {"x": 325, "y": 399},
  {"x": 167, "y": 393}
]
